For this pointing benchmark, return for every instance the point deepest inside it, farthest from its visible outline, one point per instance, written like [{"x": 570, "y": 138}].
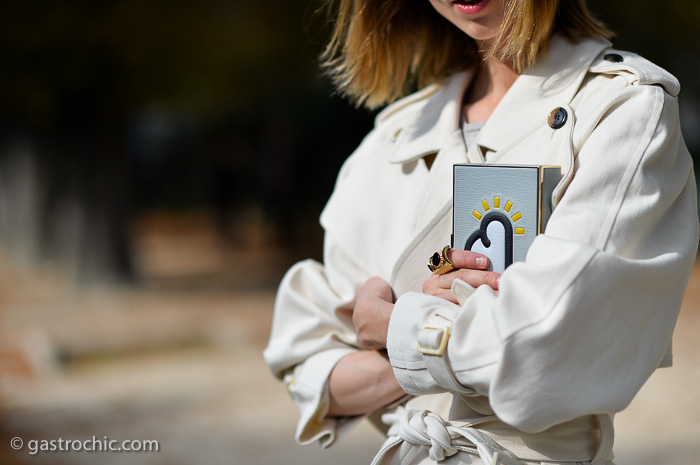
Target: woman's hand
[
  {"x": 364, "y": 380},
  {"x": 470, "y": 267},
  {"x": 373, "y": 307}
]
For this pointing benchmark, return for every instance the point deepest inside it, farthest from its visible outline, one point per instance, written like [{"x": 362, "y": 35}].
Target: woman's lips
[{"x": 469, "y": 7}]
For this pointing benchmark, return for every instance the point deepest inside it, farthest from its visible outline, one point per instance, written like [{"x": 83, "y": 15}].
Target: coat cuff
[
  {"x": 307, "y": 384},
  {"x": 417, "y": 341}
]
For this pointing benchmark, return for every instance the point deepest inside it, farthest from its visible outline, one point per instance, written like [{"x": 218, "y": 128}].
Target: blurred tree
[
  {"x": 111, "y": 106},
  {"x": 100, "y": 100}
]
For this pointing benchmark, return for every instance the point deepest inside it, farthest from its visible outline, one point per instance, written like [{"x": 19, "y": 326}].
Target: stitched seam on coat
[
  {"x": 477, "y": 367},
  {"x": 630, "y": 174},
  {"x": 410, "y": 248},
  {"x": 408, "y": 101},
  {"x": 408, "y": 364},
  {"x": 410, "y": 369}
]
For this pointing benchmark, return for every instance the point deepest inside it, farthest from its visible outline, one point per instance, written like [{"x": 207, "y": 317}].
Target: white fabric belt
[
  {"x": 425, "y": 428},
  {"x": 446, "y": 438}
]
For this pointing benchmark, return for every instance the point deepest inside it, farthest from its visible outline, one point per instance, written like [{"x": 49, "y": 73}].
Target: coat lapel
[
  {"x": 411, "y": 269},
  {"x": 551, "y": 83},
  {"x": 438, "y": 119}
]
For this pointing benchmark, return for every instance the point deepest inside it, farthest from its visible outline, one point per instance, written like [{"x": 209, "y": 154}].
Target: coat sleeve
[
  {"x": 580, "y": 325},
  {"x": 312, "y": 330},
  {"x": 310, "y": 334}
]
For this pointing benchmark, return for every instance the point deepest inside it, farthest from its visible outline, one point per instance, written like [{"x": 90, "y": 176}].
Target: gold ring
[{"x": 439, "y": 263}]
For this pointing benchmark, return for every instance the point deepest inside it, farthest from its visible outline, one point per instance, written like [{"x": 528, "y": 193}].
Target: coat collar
[
  {"x": 438, "y": 118},
  {"x": 553, "y": 80}
]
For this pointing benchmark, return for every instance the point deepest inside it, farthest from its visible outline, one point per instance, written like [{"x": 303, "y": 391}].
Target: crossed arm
[{"x": 364, "y": 381}]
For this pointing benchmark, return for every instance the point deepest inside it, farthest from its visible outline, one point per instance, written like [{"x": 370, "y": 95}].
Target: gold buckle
[{"x": 441, "y": 347}]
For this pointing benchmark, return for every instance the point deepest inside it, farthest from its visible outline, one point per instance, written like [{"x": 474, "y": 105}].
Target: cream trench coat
[{"x": 536, "y": 372}]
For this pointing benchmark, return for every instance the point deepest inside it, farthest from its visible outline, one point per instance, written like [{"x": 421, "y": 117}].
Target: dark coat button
[
  {"x": 557, "y": 118},
  {"x": 613, "y": 57}
]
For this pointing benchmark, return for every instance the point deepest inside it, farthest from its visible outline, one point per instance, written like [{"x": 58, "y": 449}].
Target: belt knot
[
  {"x": 422, "y": 427},
  {"x": 443, "y": 439}
]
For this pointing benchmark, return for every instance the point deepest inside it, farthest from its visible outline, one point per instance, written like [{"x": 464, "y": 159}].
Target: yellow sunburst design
[{"x": 497, "y": 205}]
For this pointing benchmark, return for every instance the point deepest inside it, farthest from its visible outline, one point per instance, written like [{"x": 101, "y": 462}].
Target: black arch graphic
[{"x": 481, "y": 234}]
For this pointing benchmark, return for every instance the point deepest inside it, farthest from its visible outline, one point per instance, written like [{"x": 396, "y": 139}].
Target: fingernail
[{"x": 482, "y": 261}]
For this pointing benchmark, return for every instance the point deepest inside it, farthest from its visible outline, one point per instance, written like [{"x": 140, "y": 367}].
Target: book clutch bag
[{"x": 499, "y": 209}]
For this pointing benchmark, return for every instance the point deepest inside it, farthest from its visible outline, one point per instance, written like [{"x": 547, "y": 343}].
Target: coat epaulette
[{"x": 636, "y": 69}]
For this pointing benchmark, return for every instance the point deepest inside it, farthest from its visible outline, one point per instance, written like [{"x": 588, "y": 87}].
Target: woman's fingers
[
  {"x": 372, "y": 312},
  {"x": 371, "y": 317},
  {"x": 433, "y": 286},
  {"x": 468, "y": 259},
  {"x": 443, "y": 294},
  {"x": 437, "y": 285},
  {"x": 474, "y": 278}
]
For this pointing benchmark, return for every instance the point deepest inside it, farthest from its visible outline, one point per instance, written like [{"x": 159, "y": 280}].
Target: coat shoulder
[{"x": 636, "y": 69}]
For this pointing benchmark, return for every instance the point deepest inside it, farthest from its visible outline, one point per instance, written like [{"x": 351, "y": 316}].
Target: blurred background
[{"x": 152, "y": 155}]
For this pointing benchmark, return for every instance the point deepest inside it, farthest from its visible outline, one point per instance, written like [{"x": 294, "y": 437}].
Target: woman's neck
[{"x": 491, "y": 81}]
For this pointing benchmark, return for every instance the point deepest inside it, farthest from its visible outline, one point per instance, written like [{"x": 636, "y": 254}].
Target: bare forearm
[{"x": 362, "y": 382}]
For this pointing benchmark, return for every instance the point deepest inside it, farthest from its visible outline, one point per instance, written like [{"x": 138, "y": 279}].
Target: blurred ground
[{"x": 179, "y": 361}]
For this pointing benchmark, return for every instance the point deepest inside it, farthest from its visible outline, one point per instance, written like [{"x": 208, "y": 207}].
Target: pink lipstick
[{"x": 470, "y": 7}]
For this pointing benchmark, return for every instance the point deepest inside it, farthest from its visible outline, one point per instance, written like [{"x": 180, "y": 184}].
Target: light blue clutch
[{"x": 499, "y": 209}]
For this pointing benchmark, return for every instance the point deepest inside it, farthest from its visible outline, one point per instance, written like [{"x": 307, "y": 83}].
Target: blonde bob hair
[{"x": 380, "y": 50}]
